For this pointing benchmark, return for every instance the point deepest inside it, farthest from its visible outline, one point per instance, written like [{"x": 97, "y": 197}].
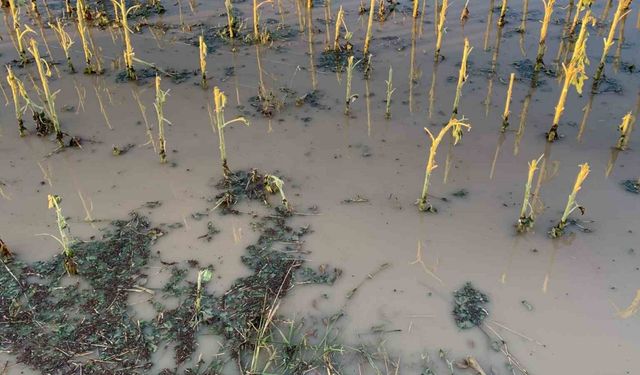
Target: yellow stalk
[
  {"x": 367, "y": 38},
  {"x": 507, "y": 104},
  {"x": 558, "y": 230},
  {"x": 63, "y": 230},
  {"x": 548, "y": 10},
  {"x": 82, "y": 30},
  {"x": 462, "y": 76},
  {"x": 161, "y": 98},
  {"x": 65, "y": 42},
  {"x": 464, "y": 14},
  {"x": 390, "y": 90},
  {"x": 230, "y": 20},
  {"x": 48, "y": 97},
  {"x": 349, "y": 97},
  {"x": 415, "y": 8},
  {"x": 574, "y": 74},
  {"x": 12, "y": 80},
  {"x": 621, "y": 11},
  {"x": 128, "y": 48},
  {"x": 527, "y": 213},
  {"x": 582, "y": 5},
  {"x": 219, "y": 102},
  {"x": 441, "y": 21},
  {"x": 503, "y": 12},
  {"x": 203, "y": 60},
  {"x": 339, "y": 21},
  {"x": 456, "y": 127},
  {"x": 625, "y": 131}
]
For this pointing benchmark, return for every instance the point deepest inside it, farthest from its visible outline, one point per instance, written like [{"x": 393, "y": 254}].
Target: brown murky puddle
[{"x": 554, "y": 302}]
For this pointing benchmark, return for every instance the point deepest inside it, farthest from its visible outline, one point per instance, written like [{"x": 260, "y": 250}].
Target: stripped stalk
[
  {"x": 14, "y": 84},
  {"x": 456, "y": 127},
  {"x": 48, "y": 97},
  {"x": 464, "y": 14},
  {"x": 625, "y": 131},
  {"x": 65, "y": 42},
  {"x": 5, "y": 254},
  {"x": 527, "y": 213},
  {"x": 390, "y": 90},
  {"x": 63, "y": 229},
  {"x": 542, "y": 43},
  {"x": 558, "y": 230},
  {"x": 203, "y": 61},
  {"x": 350, "y": 98},
  {"x": 621, "y": 11},
  {"x": 367, "y": 38},
  {"x": 220, "y": 101},
  {"x": 440, "y": 30},
  {"x": 414, "y": 13},
  {"x": 161, "y": 98},
  {"x": 462, "y": 76},
  {"x": 507, "y": 104},
  {"x": 574, "y": 74},
  {"x": 503, "y": 13}
]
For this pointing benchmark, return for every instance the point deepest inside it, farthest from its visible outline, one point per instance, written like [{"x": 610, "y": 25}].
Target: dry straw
[
  {"x": 507, "y": 104},
  {"x": 574, "y": 74},
  {"x": 456, "y": 126},
  {"x": 572, "y": 205},
  {"x": 527, "y": 213}
]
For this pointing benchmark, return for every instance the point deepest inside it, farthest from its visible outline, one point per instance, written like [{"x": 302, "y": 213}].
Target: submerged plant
[
  {"x": 542, "y": 42},
  {"x": 507, "y": 104},
  {"x": 274, "y": 184},
  {"x": 456, "y": 126},
  {"x": 390, "y": 90},
  {"x": 621, "y": 12},
  {"x": 574, "y": 74},
  {"x": 161, "y": 98},
  {"x": 48, "y": 97},
  {"x": 63, "y": 230},
  {"x": 128, "y": 48},
  {"x": 220, "y": 101},
  {"x": 203, "y": 61},
  {"x": 527, "y": 213},
  {"x": 350, "y": 98},
  {"x": 462, "y": 76},
  {"x": 440, "y": 28},
  {"x": 558, "y": 230},
  {"x": 65, "y": 42},
  {"x": 625, "y": 131}
]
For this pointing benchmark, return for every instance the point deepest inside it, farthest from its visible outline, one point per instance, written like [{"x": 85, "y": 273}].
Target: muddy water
[{"x": 574, "y": 285}]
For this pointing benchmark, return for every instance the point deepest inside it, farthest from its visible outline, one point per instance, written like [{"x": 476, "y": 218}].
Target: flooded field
[{"x": 271, "y": 216}]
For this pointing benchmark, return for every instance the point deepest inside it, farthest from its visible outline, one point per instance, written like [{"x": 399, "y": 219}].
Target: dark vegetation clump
[
  {"x": 632, "y": 186},
  {"x": 144, "y": 75},
  {"x": 60, "y": 324},
  {"x": 526, "y": 71},
  {"x": 469, "y": 310},
  {"x": 335, "y": 61}
]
